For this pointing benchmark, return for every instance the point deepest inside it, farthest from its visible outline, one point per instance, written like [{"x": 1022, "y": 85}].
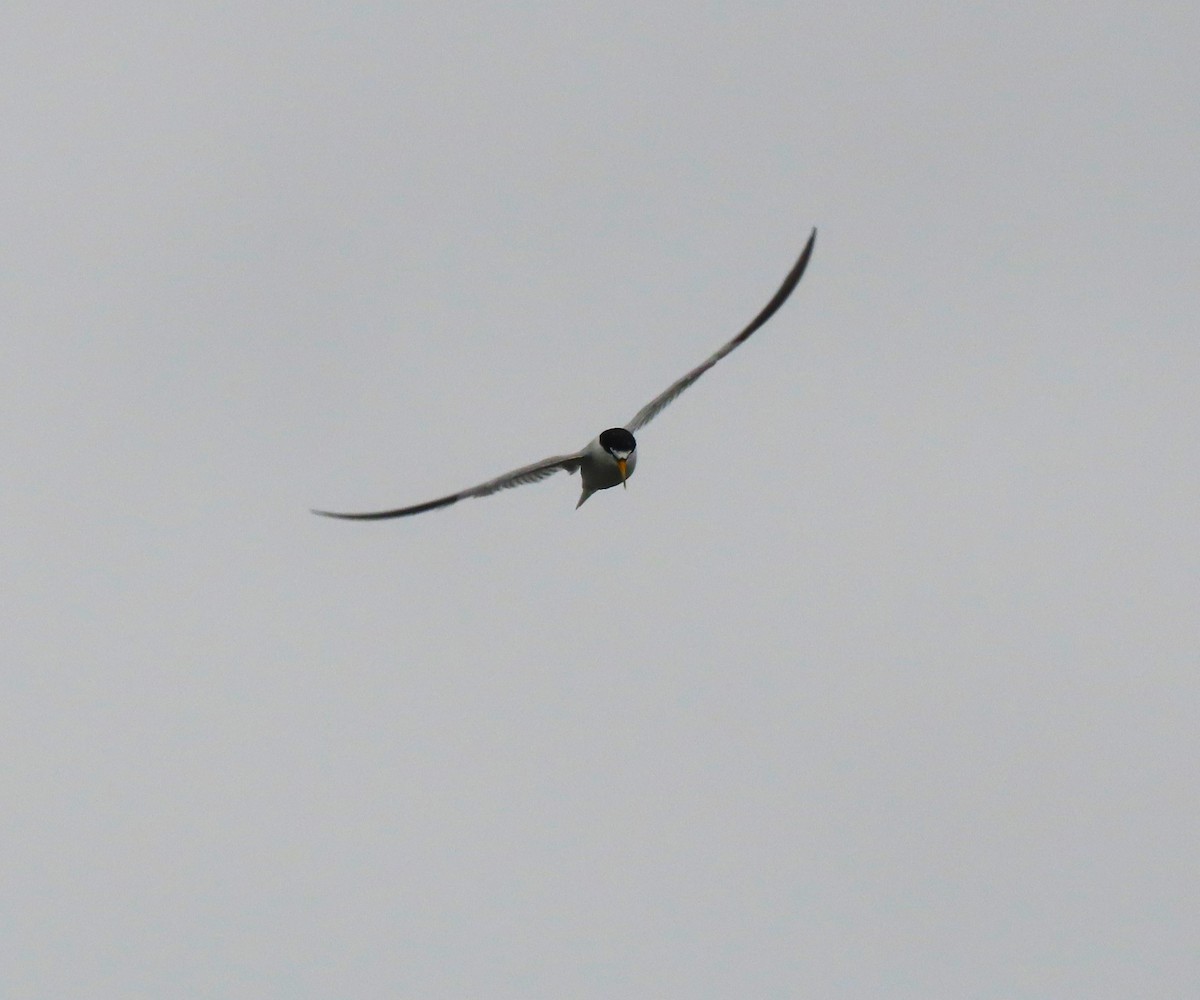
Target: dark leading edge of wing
[
  {"x": 518, "y": 477},
  {"x": 663, "y": 399}
]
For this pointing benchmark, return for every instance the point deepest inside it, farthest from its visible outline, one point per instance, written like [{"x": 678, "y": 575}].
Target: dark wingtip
[
  {"x": 385, "y": 515},
  {"x": 807, "y": 251},
  {"x": 345, "y": 517},
  {"x": 798, "y": 269}
]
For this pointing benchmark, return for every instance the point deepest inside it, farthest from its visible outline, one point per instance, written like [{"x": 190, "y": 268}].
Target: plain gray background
[{"x": 879, "y": 680}]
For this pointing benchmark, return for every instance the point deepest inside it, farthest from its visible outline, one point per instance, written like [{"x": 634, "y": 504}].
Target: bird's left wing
[
  {"x": 518, "y": 477},
  {"x": 661, "y": 401}
]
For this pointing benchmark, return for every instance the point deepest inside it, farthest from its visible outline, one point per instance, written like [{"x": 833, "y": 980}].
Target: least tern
[{"x": 610, "y": 459}]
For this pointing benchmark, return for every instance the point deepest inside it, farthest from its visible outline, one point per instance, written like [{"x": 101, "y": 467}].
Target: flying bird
[{"x": 608, "y": 460}]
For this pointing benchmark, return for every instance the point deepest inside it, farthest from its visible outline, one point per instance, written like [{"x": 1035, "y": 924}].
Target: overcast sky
[{"x": 882, "y": 679}]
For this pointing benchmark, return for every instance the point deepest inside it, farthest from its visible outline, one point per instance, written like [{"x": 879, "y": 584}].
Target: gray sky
[{"x": 879, "y": 680}]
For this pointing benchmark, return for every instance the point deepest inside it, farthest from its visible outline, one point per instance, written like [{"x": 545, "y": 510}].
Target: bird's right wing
[{"x": 518, "y": 477}]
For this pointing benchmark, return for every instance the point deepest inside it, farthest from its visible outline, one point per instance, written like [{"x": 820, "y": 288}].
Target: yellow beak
[{"x": 621, "y": 468}]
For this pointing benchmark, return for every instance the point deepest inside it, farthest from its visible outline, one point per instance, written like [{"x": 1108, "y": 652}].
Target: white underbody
[{"x": 598, "y": 469}]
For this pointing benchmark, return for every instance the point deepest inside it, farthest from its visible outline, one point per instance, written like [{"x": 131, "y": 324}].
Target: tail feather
[{"x": 583, "y": 496}]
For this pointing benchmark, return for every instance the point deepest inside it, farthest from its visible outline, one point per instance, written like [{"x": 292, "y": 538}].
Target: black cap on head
[{"x": 617, "y": 439}]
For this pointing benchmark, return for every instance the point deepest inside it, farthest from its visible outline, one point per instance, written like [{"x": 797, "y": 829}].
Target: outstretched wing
[
  {"x": 660, "y": 402},
  {"x": 518, "y": 477}
]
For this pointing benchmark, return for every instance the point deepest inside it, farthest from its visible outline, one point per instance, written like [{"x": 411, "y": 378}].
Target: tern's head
[{"x": 619, "y": 443}]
